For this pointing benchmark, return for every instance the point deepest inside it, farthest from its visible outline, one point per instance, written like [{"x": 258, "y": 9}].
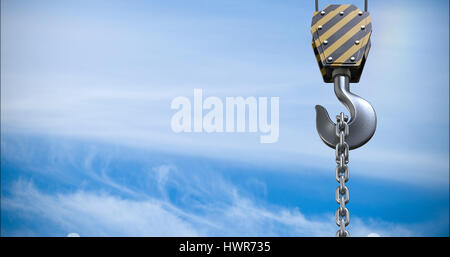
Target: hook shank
[{"x": 363, "y": 121}]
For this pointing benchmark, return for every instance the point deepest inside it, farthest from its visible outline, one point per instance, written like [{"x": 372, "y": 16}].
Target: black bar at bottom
[{"x": 222, "y": 246}]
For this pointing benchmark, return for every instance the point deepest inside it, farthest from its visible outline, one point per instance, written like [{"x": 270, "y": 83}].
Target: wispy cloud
[
  {"x": 71, "y": 186},
  {"x": 217, "y": 212},
  {"x": 97, "y": 214}
]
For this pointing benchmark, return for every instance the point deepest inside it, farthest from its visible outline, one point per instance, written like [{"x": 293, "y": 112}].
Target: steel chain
[{"x": 342, "y": 194}]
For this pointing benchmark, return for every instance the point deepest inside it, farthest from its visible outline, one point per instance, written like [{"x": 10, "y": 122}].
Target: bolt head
[
  {"x": 322, "y": 12},
  {"x": 341, "y": 13},
  {"x": 363, "y": 27},
  {"x": 352, "y": 58},
  {"x": 330, "y": 59},
  {"x": 325, "y": 42},
  {"x": 360, "y": 13},
  {"x": 357, "y": 42},
  {"x": 319, "y": 27}
]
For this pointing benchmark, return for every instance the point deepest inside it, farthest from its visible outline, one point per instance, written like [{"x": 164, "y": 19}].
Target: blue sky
[{"x": 87, "y": 148}]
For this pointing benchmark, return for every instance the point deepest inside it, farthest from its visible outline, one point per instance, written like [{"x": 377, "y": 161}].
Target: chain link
[{"x": 342, "y": 194}]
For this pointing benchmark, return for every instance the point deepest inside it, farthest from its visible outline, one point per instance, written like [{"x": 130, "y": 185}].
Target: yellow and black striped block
[{"x": 341, "y": 39}]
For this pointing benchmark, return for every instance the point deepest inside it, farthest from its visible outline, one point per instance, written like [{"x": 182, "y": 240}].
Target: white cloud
[
  {"x": 221, "y": 211},
  {"x": 97, "y": 214},
  {"x": 196, "y": 200}
]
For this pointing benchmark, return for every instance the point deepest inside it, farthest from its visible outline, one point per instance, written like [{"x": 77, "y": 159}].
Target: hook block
[{"x": 341, "y": 39}]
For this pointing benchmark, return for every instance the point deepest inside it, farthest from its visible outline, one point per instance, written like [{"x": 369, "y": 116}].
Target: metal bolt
[
  {"x": 363, "y": 27},
  {"x": 330, "y": 59},
  {"x": 341, "y": 13},
  {"x": 357, "y": 42},
  {"x": 325, "y": 42},
  {"x": 319, "y": 27},
  {"x": 322, "y": 12},
  {"x": 352, "y": 58},
  {"x": 360, "y": 13}
]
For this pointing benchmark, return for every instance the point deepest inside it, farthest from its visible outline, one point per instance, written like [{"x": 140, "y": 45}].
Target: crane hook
[{"x": 363, "y": 121}]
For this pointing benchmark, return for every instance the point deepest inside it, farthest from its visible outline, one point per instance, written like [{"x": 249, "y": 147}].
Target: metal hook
[{"x": 363, "y": 120}]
